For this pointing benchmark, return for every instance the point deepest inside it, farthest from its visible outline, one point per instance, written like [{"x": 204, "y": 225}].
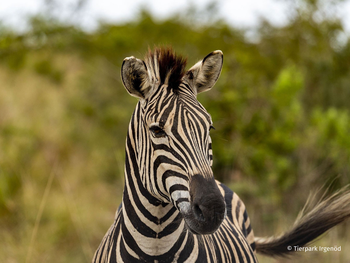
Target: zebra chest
[
  {"x": 226, "y": 245},
  {"x": 154, "y": 244},
  {"x": 126, "y": 242}
]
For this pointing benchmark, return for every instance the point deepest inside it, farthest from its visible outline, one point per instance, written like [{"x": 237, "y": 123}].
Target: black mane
[{"x": 171, "y": 66}]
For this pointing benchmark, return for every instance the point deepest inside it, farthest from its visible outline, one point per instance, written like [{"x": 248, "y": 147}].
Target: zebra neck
[
  {"x": 154, "y": 226},
  {"x": 148, "y": 226},
  {"x": 144, "y": 210}
]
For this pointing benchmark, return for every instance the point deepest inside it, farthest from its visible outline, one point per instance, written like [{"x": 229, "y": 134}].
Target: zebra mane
[{"x": 165, "y": 66}]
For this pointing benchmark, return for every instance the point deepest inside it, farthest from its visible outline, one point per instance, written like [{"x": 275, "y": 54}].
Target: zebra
[{"x": 173, "y": 210}]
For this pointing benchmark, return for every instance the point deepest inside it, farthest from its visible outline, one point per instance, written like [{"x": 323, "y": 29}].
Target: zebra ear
[
  {"x": 203, "y": 75},
  {"x": 135, "y": 77}
]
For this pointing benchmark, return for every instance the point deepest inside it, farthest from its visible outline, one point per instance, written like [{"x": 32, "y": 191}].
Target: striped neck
[{"x": 154, "y": 226}]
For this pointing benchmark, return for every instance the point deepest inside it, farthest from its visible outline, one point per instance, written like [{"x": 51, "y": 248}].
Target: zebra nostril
[{"x": 198, "y": 212}]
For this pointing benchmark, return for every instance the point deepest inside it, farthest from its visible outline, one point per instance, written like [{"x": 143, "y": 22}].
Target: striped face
[
  {"x": 179, "y": 145},
  {"x": 169, "y": 132}
]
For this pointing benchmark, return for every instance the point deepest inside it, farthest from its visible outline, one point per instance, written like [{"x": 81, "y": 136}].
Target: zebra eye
[{"x": 157, "y": 132}]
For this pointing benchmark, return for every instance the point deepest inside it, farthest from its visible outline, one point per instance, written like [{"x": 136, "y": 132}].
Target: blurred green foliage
[{"x": 281, "y": 111}]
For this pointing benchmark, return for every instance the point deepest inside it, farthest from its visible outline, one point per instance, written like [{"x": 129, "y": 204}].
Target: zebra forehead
[
  {"x": 165, "y": 106},
  {"x": 165, "y": 66}
]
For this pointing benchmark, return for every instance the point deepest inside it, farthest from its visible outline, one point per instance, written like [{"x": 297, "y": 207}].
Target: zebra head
[{"x": 168, "y": 150}]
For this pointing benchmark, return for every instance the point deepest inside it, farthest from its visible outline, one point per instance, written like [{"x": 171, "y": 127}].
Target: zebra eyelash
[{"x": 211, "y": 128}]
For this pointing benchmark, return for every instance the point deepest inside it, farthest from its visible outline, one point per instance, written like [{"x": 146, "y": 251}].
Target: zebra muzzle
[{"x": 207, "y": 209}]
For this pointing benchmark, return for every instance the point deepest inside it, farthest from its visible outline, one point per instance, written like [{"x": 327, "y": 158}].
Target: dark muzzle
[{"x": 208, "y": 208}]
